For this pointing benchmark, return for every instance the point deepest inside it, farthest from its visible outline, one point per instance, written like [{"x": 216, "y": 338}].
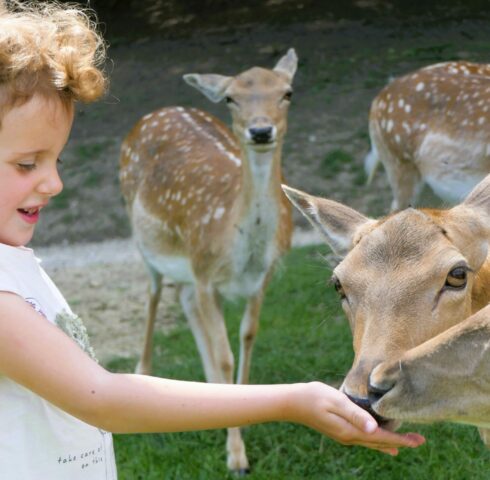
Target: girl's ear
[
  {"x": 213, "y": 86},
  {"x": 338, "y": 223}
]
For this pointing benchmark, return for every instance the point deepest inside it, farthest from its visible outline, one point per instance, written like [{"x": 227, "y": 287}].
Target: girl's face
[{"x": 32, "y": 137}]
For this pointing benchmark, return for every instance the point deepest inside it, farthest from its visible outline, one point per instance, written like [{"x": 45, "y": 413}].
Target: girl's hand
[{"x": 330, "y": 412}]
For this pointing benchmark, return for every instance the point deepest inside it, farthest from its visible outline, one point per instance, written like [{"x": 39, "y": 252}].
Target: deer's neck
[
  {"x": 254, "y": 248},
  {"x": 261, "y": 175}
]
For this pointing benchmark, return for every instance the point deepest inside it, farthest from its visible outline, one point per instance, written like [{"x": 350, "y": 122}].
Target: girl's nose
[{"x": 51, "y": 183}]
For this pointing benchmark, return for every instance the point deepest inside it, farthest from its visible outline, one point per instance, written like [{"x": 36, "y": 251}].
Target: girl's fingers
[
  {"x": 397, "y": 439},
  {"x": 389, "y": 451},
  {"x": 355, "y": 415}
]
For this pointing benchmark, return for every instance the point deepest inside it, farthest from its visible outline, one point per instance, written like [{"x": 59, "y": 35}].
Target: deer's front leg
[
  {"x": 248, "y": 331},
  {"x": 208, "y": 326}
]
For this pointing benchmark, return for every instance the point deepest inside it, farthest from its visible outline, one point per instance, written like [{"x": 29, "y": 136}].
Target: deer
[
  {"x": 432, "y": 127},
  {"x": 207, "y": 212},
  {"x": 414, "y": 286}
]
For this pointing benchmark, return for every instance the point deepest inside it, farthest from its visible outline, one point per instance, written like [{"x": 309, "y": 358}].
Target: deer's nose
[
  {"x": 365, "y": 404},
  {"x": 378, "y": 386},
  {"x": 261, "y": 134}
]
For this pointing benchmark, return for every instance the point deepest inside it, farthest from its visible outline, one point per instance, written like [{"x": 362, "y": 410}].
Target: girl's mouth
[{"x": 30, "y": 215}]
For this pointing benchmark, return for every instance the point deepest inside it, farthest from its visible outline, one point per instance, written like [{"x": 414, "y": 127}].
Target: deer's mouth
[
  {"x": 383, "y": 422},
  {"x": 263, "y": 146}
]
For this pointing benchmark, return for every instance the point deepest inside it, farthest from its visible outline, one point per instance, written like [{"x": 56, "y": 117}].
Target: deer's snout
[
  {"x": 262, "y": 135},
  {"x": 365, "y": 404},
  {"x": 382, "y": 379}
]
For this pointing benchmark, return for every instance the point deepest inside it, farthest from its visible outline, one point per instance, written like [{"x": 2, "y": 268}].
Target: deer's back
[
  {"x": 449, "y": 100},
  {"x": 180, "y": 152}
]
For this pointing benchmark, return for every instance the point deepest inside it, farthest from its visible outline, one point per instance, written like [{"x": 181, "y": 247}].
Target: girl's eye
[
  {"x": 59, "y": 161},
  {"x": 27, "y": 166},
  {"x": 288, "y": 95},
  {"x": 230, "y": 100}
]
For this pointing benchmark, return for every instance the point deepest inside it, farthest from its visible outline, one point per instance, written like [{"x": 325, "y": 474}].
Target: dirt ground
[{"x": 344, "y": 60}]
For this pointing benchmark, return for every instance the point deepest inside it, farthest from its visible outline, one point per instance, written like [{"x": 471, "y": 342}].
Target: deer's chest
[{"x": 253, "y": 251}]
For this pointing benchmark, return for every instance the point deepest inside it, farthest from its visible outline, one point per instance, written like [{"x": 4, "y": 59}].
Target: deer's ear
[
  {"x": 469, "y": 224},
  {"x": 287, "y": 65},
  {"x": 479, "y": 198},
  {"x": 211, "y": 85},
  {"x": 338, "y": 223}
]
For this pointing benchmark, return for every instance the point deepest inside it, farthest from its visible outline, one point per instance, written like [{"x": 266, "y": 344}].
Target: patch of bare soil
[{"x": 111, "y": 300}]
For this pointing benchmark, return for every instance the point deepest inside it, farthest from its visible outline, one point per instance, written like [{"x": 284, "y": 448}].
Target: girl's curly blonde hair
[{"x": 49, "y": 48}]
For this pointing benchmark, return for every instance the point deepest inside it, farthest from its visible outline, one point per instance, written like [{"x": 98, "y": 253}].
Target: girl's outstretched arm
[{"x": 38, "y": 355}]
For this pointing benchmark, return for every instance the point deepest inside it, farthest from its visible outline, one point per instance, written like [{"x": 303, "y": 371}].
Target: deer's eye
[
  {"x": 338, "y": 287},
  {"x": 457, "y": 278},
  {"x": 230, "y": 100}
]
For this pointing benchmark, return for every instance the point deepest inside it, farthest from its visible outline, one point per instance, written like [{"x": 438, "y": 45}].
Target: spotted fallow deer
[
  {"x": 403, "y": 280},
  {"x": 432, "y": 127},
  {"x": 208, "y": 212}
]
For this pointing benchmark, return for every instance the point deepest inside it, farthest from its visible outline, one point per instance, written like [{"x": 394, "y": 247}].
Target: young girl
[{"x": 57, "y": 402}]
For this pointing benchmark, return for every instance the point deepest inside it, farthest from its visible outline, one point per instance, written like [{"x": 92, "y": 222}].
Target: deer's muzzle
[{"x": 262, "y": 135}]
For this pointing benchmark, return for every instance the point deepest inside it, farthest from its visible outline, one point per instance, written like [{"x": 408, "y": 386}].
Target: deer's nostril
[
  {"x": 261, "y": 135},
  {"x": 365, "y": 404},
  {"x": 375, "y": 392}
]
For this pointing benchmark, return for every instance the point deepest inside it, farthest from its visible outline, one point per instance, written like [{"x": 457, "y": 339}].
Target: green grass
[{"x": 303, "y": 336}]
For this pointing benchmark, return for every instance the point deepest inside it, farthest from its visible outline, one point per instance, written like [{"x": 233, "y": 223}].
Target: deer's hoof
[{"x": 241, "y": 472}]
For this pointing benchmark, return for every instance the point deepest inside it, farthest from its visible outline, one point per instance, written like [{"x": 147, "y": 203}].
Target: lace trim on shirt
[{"x": 73, "y": 326}]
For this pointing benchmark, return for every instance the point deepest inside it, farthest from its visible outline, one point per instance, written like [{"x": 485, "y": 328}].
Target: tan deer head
[{"x": 405, "y": 278}]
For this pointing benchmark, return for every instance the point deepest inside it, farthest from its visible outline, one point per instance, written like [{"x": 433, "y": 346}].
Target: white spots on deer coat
[
  {"x": 481, "y": 120},
  {"x": 214, "y": 140},
  {"x": 401, "y": 102},
  {"x": 389, "y": 125},
  {"x": 420, "y": 86},
  {"x": 218, "y": 213},
  {"x": 408, "y": 108},
  {"x": 206, "y": 218}
]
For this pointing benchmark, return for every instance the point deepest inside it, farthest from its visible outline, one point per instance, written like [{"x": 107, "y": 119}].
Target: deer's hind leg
[
  {"x": 403, "y": 175},
  {"x": 404, "y": 178}
]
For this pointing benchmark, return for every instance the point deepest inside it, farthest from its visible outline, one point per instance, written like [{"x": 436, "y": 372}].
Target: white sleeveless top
[{"x": 38, "y": 441}]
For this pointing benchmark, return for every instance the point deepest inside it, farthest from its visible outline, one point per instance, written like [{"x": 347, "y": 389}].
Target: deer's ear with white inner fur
[
  {"x": 287, "y": 65},
  {"x": 469, "y": 224},
  {"x": 338, "y": 223},
  {"x": 212, "y": 85},
  {"x": 479, "y": 198}
]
